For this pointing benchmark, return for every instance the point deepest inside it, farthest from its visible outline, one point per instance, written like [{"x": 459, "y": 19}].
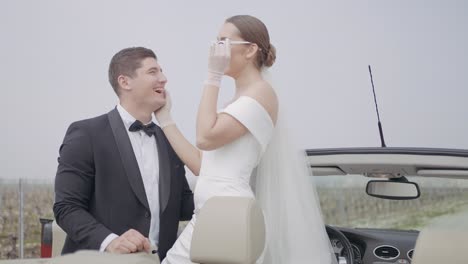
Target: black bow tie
[{"x": 149, "y": 129}]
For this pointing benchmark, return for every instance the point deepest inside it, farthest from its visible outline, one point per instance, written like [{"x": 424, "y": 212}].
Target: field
[
  {"x": 351, "y": 207},
  {"x": 341, "y": 206},
  {"x": 38, "y": 200}
]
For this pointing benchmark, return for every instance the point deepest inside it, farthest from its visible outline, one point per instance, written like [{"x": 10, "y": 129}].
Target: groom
[{"x": 119, "y": 185}]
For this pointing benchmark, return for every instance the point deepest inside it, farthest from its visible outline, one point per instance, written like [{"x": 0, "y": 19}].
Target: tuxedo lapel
[
  {"x": 127, "y": 156},
  {"x": 164, "y": 169}
]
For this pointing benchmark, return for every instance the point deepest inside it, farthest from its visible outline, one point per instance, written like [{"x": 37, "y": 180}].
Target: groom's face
[{"x": 148, "y": 85}]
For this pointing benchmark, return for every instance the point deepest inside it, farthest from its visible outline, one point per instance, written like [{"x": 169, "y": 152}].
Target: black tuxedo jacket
[{"x": 99, "y": 189}]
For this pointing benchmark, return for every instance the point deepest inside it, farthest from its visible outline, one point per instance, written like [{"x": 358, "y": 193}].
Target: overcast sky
[{"x": 54, "y": 58}]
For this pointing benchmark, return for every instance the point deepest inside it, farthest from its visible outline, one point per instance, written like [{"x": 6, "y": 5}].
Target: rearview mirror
[{"x": 393, "y": 189}]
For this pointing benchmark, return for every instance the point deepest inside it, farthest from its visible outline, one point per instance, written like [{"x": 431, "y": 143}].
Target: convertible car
[
  {"x": 394, "y": 205},
  {"x": 380, "y": 205}
]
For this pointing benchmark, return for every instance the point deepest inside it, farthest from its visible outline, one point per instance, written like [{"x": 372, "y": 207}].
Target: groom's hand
[{"x": 129, "y": 242}]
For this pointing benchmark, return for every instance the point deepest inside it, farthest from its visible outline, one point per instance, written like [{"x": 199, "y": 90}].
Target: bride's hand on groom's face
[
  {"x": 166, "y": 107},
  {"x": 163, "y": 114}
]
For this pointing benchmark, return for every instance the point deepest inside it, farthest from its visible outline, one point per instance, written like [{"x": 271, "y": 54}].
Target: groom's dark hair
[{"x": 126, "y": 62}]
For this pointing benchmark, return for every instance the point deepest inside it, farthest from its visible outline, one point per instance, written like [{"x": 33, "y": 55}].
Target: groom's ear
[{"x": 123, "y": 82}]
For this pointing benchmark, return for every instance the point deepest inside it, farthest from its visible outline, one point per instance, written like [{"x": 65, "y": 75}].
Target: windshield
[{"x": 345, "y": 203}]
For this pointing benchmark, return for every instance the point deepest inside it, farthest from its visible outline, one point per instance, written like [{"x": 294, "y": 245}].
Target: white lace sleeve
[{"x": 254, "y": 117}]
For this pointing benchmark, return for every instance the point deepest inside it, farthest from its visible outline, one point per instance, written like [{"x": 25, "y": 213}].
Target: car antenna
[{"x": 382, "y": 140}]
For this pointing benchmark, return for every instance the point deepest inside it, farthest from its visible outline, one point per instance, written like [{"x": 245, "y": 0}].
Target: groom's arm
[
  {"x": 74, "y": 187},
  {"x": 187, "y": 205}
]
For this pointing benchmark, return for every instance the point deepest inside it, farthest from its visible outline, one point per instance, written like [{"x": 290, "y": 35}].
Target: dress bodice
[{"x": 226, "y": 171}]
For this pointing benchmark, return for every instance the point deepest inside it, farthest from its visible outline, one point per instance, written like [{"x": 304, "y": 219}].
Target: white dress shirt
[{"x": 146, "y": 153}]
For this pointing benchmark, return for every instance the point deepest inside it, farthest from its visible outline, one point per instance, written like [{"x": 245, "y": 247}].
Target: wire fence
[{"x": 22, "y": 203}]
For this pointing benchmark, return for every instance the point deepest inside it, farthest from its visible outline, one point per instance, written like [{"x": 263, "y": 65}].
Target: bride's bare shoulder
[{"x": 266, "y": 96}]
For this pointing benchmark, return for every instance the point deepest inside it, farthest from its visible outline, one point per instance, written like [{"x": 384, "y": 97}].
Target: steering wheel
[{"x": 334, "y": 233}]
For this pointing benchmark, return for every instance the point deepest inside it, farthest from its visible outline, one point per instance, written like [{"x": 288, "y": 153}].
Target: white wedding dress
[
  {"x": 226, "y": 171},
  {"x": 295, "y": 231}
]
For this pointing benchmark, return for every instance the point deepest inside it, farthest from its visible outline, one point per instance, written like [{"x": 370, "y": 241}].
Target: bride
[{"x": 248, "y": 136}]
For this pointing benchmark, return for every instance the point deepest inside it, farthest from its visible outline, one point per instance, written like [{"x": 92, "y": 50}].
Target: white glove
[
  {"x": 218, "y": 61},
  {"x": 163, "y": 114}
]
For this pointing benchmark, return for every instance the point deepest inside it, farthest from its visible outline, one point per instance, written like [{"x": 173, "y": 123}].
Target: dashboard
[{"x": 377, "y": 246}]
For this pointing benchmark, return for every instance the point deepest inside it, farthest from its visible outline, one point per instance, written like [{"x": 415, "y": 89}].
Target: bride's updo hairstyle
[{"x": 253, "y": 30}]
